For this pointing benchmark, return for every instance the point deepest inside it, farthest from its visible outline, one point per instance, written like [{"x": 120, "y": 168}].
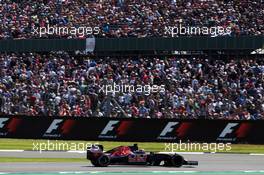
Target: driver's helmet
[{"x": 140, "y": 151}]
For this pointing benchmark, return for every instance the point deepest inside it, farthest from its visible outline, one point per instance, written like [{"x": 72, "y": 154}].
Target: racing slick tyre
[
  {"x": 94, "y": 163},
  {"x": 177, "y": 161},
  {"x": 102, "y": 161}
]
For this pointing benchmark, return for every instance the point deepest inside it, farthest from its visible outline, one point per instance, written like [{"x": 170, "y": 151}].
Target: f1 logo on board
[
  {"x": 115, "y": 128},
  {"x": 233, "y": 131},
  {"x": 58, "y": 127},
  {"x": 168, "y": 129},
  {"x": 175, "y": 130},
  {"x": 53, "y": 127},
  {"x": 109, "y": 127},
  {"x": 9, "y": 125},
  {"x": 3, "y": 122}
]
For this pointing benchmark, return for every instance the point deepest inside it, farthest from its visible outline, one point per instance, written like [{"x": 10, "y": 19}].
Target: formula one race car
[{"x": 131, "y": 155}]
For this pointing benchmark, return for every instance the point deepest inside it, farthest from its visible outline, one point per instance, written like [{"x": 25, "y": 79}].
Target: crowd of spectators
[
  {"x": 69, "y": 85},
  {"x": 64, "y": 84},
  {"x": 128, "y": 18}
]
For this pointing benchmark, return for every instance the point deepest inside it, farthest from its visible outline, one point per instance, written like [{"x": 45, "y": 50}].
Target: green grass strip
[
  {"x": 28, "y": 144},
  {"x": 14, "y": 159}
]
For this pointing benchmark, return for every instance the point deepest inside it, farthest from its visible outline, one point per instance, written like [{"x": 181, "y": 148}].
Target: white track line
[
  {"x": 10, "y": 150},
  {"x": 254, "y": 171},
  {"x": 103, "y": 172},
  {"x": 256, "y": 154},
  {"x": 182, "y": 152},
  {"x": 172, "y": 172},
  {"x": 73, "y": 151},
  {"x": 79, "y": 172}
]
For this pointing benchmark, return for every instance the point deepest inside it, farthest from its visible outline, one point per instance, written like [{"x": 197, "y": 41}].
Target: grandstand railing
[{"x": 135, "y": 44}]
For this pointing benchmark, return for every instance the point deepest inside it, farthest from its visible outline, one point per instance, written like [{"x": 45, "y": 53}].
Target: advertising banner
[{"x": 128, "y": 129}]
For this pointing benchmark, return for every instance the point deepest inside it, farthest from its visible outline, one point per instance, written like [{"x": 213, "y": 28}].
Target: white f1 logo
[
  {"x": 168, "y": 128},
  {"x": 228, "y": 129},
  {"x": 54, "y": 125},
  {"x": 109, "y": 127},
  {"x": 2, "y": 120}
]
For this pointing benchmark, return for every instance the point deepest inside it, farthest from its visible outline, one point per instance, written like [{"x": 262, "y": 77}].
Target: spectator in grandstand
[
  {"x": 62, "y": 84},
  {"x": 119, "y": 18}
]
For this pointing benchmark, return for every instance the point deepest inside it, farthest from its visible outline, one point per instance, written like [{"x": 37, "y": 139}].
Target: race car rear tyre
[
  {"x": 94, "y": 163},
  {"x": 103, "y": 161},
  {"x": 177, "y": 161}
]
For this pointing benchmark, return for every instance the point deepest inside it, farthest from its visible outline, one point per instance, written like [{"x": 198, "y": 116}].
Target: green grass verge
[
  {"x": 14, "y": 159},
  {"x": 27, "y": 144}
]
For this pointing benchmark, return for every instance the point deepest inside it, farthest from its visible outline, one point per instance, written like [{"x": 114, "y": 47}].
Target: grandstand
[
  {"x": 225, "y": 82},
  {"x": 128, "y": 18}
]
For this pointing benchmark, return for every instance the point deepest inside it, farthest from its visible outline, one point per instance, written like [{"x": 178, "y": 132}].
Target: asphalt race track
[{"x": 208, "y": 164}]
